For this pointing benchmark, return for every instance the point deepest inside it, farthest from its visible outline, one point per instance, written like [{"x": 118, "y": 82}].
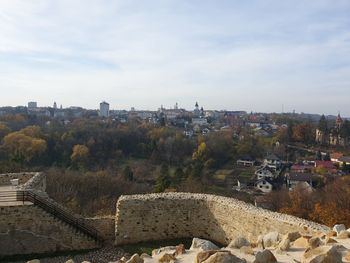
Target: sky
[{"x": 253, "y": 55}]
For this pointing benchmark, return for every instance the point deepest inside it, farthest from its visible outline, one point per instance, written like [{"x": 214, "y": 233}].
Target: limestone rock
[
  {"x": 247, "y": 250},
  {"x": 70, "y": 261},
  {"x": 203, "y": 244},
  {"x": 331, "y": 234},
  {"x": 34, "y": 261},
  {"x": 86, "y": 261},
  {"x": 260, "y": 242},
  {"x": 284, "y": 245},
  {"x": 323, "y": 254},
  {"x": 343, "y": 234},
  {"x": 135, "y": 259},
  {"x": 144, "y": 255},
  {"x": 160, "y": 250},
  {"x": 292, "y": 236},
  {"x": 271, "y": 239},
  {"x": 223, "y": 257},
  {"x": 339, "y": 228},
  {"x": 347, "y": 256},
  {"x": 167, "y": 258},
  {"x": 329, "y": 240},
  {"x": 180, "y": 249},
  {"x": 239, "y": 242},
  {"x": 314, "y": 242},
  {"x": 265, "y": 256},
  {"x": 203, "y": 255},
  {"x": 302, "y": 242},
  {"x": 123, "y": 259}
]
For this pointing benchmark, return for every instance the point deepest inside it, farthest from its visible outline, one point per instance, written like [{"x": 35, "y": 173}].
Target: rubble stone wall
[
  {"x": 104, "y": 225},
  {"x": 151, "y": 217},
  {"x": 28, "y": 229},
  {"x": 5, "y": 179}
]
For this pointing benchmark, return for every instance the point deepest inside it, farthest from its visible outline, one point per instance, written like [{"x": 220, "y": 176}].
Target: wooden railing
[{"x": 50, "y": 207}]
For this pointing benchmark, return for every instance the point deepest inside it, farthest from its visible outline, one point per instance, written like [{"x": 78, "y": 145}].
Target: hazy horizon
[{"x": 234, "y": 55}]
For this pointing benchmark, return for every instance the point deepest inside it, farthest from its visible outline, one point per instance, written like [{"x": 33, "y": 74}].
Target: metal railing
[{"x": 50, "y": 207}]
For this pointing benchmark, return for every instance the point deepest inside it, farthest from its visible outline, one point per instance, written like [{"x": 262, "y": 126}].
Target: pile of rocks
[
  {"x": 102, "y": 255},
  {"x": 321, "y": 247}
]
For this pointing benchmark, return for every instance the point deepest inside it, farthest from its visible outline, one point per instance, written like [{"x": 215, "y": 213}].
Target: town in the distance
[{"x": 272, "y": 150}]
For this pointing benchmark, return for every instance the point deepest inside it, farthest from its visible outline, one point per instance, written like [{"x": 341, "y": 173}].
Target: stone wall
[
  {"x": 152, "y": 217},
  {"x": 28, "y": 229},
  {"x": 5, "y": 179},
  {"x": 105, "y": 226},
  {"x": 36, "y": 182}
]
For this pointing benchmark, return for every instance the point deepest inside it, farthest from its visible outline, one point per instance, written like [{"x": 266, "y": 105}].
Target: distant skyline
[{"x": 227, "y": 54}]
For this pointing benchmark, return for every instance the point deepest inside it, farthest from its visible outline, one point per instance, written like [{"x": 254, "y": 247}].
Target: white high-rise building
[
  {"x": 104, "y": 109},
  {"x": 32, "y": 105}
]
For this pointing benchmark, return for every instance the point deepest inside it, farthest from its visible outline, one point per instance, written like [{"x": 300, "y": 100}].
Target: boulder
[
  {"x": 70, "y": 261},
  {"x": 135, "y": 259},
  {"x": 301, "y": 242},
  {"x": 198, "y": 243},
  {"x": 347, "y": 256},
  {"x": 223, "y": 257},
  {"x": 247, "y": 250},
  {"x": 323, "y": 254},
  {"x": 167, "y": 258},
  {"x": 203, "y": 255},
  {"x": 292, "y": 236},
  {"x": 144, "y": 255},
  {"x": 343, "y": 234},
  {"x": 34, "y": 261},
  {"x": 284, "y": 245},
  {"x": 86, "y": 261},
  {"x": 162, "y": 249},
  {"x": 265, "y": 256},
  {"x": 339, "y": 228},
  {"x": 331, "y": 234},
  {"x": 239, "y": 242},
  {"x": 329, "y": 240},
  {"x": 314, "y": 242},
  {"x": 180, "y": 249},
  {"x": 271, "y": 239}
]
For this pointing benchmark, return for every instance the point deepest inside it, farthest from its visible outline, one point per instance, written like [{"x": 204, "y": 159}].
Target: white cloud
[{"x": 228, "y": 55}]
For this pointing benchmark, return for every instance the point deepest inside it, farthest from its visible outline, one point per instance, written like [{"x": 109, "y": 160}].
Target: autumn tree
[
  {"x": 4, "y": 130},
  {"x": 80, "y": 154},
  {"x": 201, "y": 154},
  {"x": 24, "y": 145},
  {"x": 299, "y": 204},
  {"x": 304, "y": 133}
]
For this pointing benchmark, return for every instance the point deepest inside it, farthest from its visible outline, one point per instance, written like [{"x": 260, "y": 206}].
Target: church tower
[
  {"x": 338, "y": 122},
  {"x": 196, "y": 111}
]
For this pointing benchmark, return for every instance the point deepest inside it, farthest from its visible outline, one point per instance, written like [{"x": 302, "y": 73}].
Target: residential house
[
  {"x": 301, "y": 168},
  {"x": 344, "y": 159},
  {"x": 307, "y": 179},
  {"x": 265, "y": 172},
  {"x": 246, "y": 161},
  {"x": 265, "y": 185},
  {"x": 199, "y": 121},
  {"x": 273, "y": 162},
  {"x": 327, "y": 166},
  {"x": 245, "y": 185},
  {"x": 335, "y": 156}
]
